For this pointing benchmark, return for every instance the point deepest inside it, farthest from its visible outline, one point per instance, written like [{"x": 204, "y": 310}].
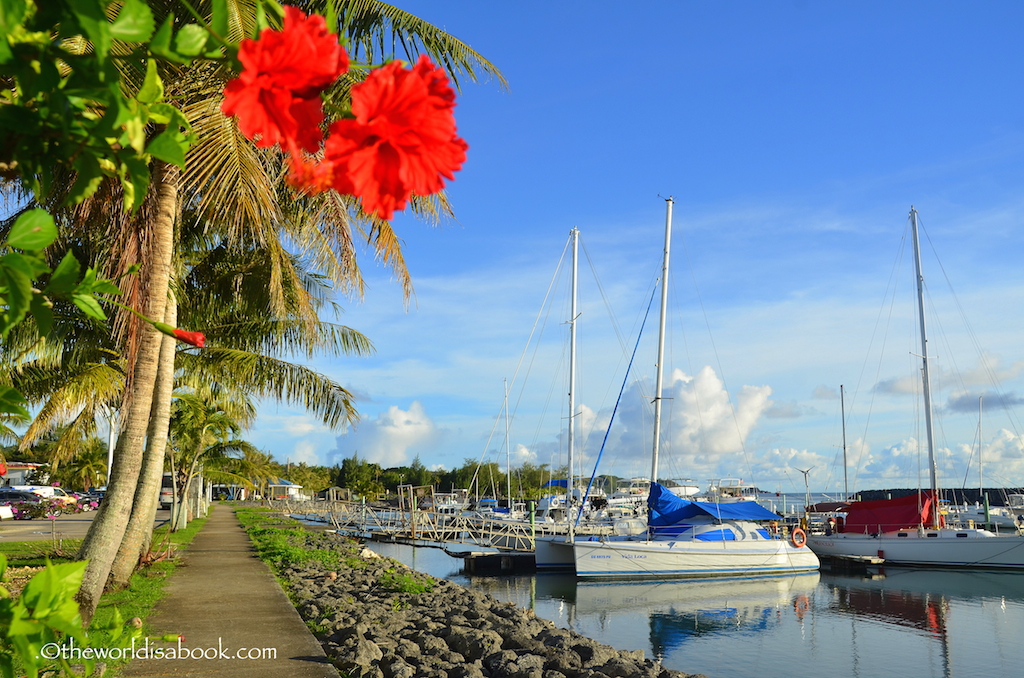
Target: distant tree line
[{"x": 368, "y": 479}]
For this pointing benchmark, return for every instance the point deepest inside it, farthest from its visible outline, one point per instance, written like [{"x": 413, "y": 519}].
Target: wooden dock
[{"x": 425, "y": 527}]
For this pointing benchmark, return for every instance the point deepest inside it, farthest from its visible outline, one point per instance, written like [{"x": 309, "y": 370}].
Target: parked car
[
  {"x": 15, "y": 498},
  {"x": 87, "y": 499},
  {"x": 48, "y": 492}
]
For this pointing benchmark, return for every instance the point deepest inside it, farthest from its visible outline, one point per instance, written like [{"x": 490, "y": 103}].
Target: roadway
[{"x": 66, "y": 527}]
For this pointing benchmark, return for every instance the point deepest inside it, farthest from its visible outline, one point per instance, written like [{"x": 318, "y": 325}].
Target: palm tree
[
  {"x": 202, "y": 429},
  {"x": 251, "y": 468},
  {"x": 87, "y": 469}
]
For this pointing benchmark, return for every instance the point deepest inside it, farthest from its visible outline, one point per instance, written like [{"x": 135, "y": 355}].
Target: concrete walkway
[{"x": 229, "y": 607}]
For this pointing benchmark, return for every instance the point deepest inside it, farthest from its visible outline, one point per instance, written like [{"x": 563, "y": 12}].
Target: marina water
[{"x": 888, "y": 622}]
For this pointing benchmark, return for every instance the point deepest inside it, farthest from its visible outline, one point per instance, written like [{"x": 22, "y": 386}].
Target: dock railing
[{"x": 358, "y": 519}]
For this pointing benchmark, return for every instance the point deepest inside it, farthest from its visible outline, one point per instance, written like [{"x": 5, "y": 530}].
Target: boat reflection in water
[
  {"x": 679, "y": 611},
  {"x": 893, "y": 622}
]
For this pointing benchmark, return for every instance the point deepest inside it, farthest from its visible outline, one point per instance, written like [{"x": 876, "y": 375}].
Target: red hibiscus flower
[
  {"x": 401, "y": 142},
  {"x": 277, "y": 96}
]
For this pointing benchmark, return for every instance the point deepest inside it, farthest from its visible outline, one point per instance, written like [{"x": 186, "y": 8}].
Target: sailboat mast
[
  {"x": 571, "y": 437},
  {"x": 925, "y": 376},
  {"x": 842, "y": 411},
  {"x": 661, "y": 340},
  {"x": 981, "y": 450},
  {"x": 508, "y": 454}
]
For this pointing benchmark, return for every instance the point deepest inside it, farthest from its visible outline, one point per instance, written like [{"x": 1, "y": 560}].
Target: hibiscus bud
[{"x": 196, "y": 339}]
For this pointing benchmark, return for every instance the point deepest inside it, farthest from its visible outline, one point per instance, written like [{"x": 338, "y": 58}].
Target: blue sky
[{"x": 794, "y": 137}]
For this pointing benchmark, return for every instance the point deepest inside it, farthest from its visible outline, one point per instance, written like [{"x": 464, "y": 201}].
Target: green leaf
[
  {"x": 169, "y": 146},
  {"x": 89, "y": 177},
  {"x": 64, "y": 277},
  {"x": 191, "y": 40},
  {"x": 34, "y": 230},
  {"x": 331, "y": 16},
  {"x": 161, "y": 40},
  {"x": 12, "y": 402},
  {"x": 152, "y": 89},
  {"x": 43, "y": 314},
  {"x": 261, "y": 19},
  {"x": 220, "y": 18},
  {"x": 135, "y": 133},
  {"x": 89, "y": 306},
  {"x": 92, "y": 19},
  {"x": 12, "y": 15},
  {"x": 105, "y": 287},
  {"x": 165, "y": 114},
  {"x": 138, "y": 175},
  {"x": 160, "y": 45},
  {"x": 134, "y": 23},
  {"x": 19, "y": 293}
]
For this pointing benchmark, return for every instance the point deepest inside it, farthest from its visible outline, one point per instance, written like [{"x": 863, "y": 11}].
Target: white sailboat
[
  {"x": 910, "y": 530},
  {"x": 689, "y": 538}
]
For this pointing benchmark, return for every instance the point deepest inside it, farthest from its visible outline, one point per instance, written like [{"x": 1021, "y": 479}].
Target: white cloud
[
  {"x": 521, "y": 454},
  {"x": 704, "y": 432},
  {"x": 294, "y": 425},
  {"x": 394, "y": 438},
  {"x": 304, "y": 451}
]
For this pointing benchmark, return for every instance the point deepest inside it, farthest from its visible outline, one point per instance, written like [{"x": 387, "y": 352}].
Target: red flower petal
[
  {"x": 402, "y": 141},
  {"x": 277, "y": 96}
]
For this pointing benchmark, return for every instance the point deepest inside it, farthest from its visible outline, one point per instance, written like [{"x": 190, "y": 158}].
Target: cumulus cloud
[
  {"x": 394, "y": 438},
  {"x": 521, "y": 454},
  {"x": 304, "y": 451},
  {"x": 704, "y": 430},
  {"x": 294, "y": 425}
]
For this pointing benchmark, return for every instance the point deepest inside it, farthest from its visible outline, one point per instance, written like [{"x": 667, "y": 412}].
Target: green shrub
[{"x": 405, "y": 583}]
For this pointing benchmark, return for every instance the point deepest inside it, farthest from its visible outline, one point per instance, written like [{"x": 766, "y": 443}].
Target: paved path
[{"x": 225, "y": 602}]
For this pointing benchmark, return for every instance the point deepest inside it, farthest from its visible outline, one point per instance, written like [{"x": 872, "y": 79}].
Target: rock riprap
[{"x": 379, "y": 619}]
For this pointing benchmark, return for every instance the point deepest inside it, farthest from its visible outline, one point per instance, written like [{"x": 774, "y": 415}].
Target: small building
[
  {"x": 19, "y": 472},
  {"x": 335, "y": 494},
  {"x": 279, "y": 488}
]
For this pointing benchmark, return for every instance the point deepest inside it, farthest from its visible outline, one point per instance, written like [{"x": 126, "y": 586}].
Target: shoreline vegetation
[
  {"x": 126, "y": 608},
  {"x": 376, "y": 618}
]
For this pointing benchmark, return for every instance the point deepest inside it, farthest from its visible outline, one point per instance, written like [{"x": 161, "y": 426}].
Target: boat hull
[
  {"x": 975, "y": 549},
  {"x": 631, "y": 559},
  {"x": 554, "y": 554}
]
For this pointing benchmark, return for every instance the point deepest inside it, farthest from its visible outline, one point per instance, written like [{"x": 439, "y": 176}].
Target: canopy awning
[{"x": 669, "y": 509}]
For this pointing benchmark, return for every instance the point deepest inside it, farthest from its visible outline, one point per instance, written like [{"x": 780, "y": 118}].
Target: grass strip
[{"x": 144, "y": 590}]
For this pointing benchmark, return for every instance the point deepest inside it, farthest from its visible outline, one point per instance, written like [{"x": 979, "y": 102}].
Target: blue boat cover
[
  {"x": 563, "y": 482},
  {"x": 668, "y": 509}
]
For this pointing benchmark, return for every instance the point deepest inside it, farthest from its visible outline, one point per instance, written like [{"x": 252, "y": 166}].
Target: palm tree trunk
[
  {"x": 139, "y": 534},
  {"x": 107, "y": 530},
  {"x": 184, "y": 514}
]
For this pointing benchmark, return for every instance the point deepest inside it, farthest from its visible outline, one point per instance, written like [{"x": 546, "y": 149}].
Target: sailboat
[
  {"x": 910, "y": 530},
  {"x": 691, "y": 538}
]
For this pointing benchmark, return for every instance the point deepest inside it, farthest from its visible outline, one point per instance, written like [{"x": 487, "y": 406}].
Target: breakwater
[{"x": 377, "y": 618}]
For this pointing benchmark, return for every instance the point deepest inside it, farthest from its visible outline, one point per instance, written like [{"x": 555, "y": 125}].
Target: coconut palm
[
  {"x": 202, "y": 429},
  {"x": 86, "y": 469}
]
